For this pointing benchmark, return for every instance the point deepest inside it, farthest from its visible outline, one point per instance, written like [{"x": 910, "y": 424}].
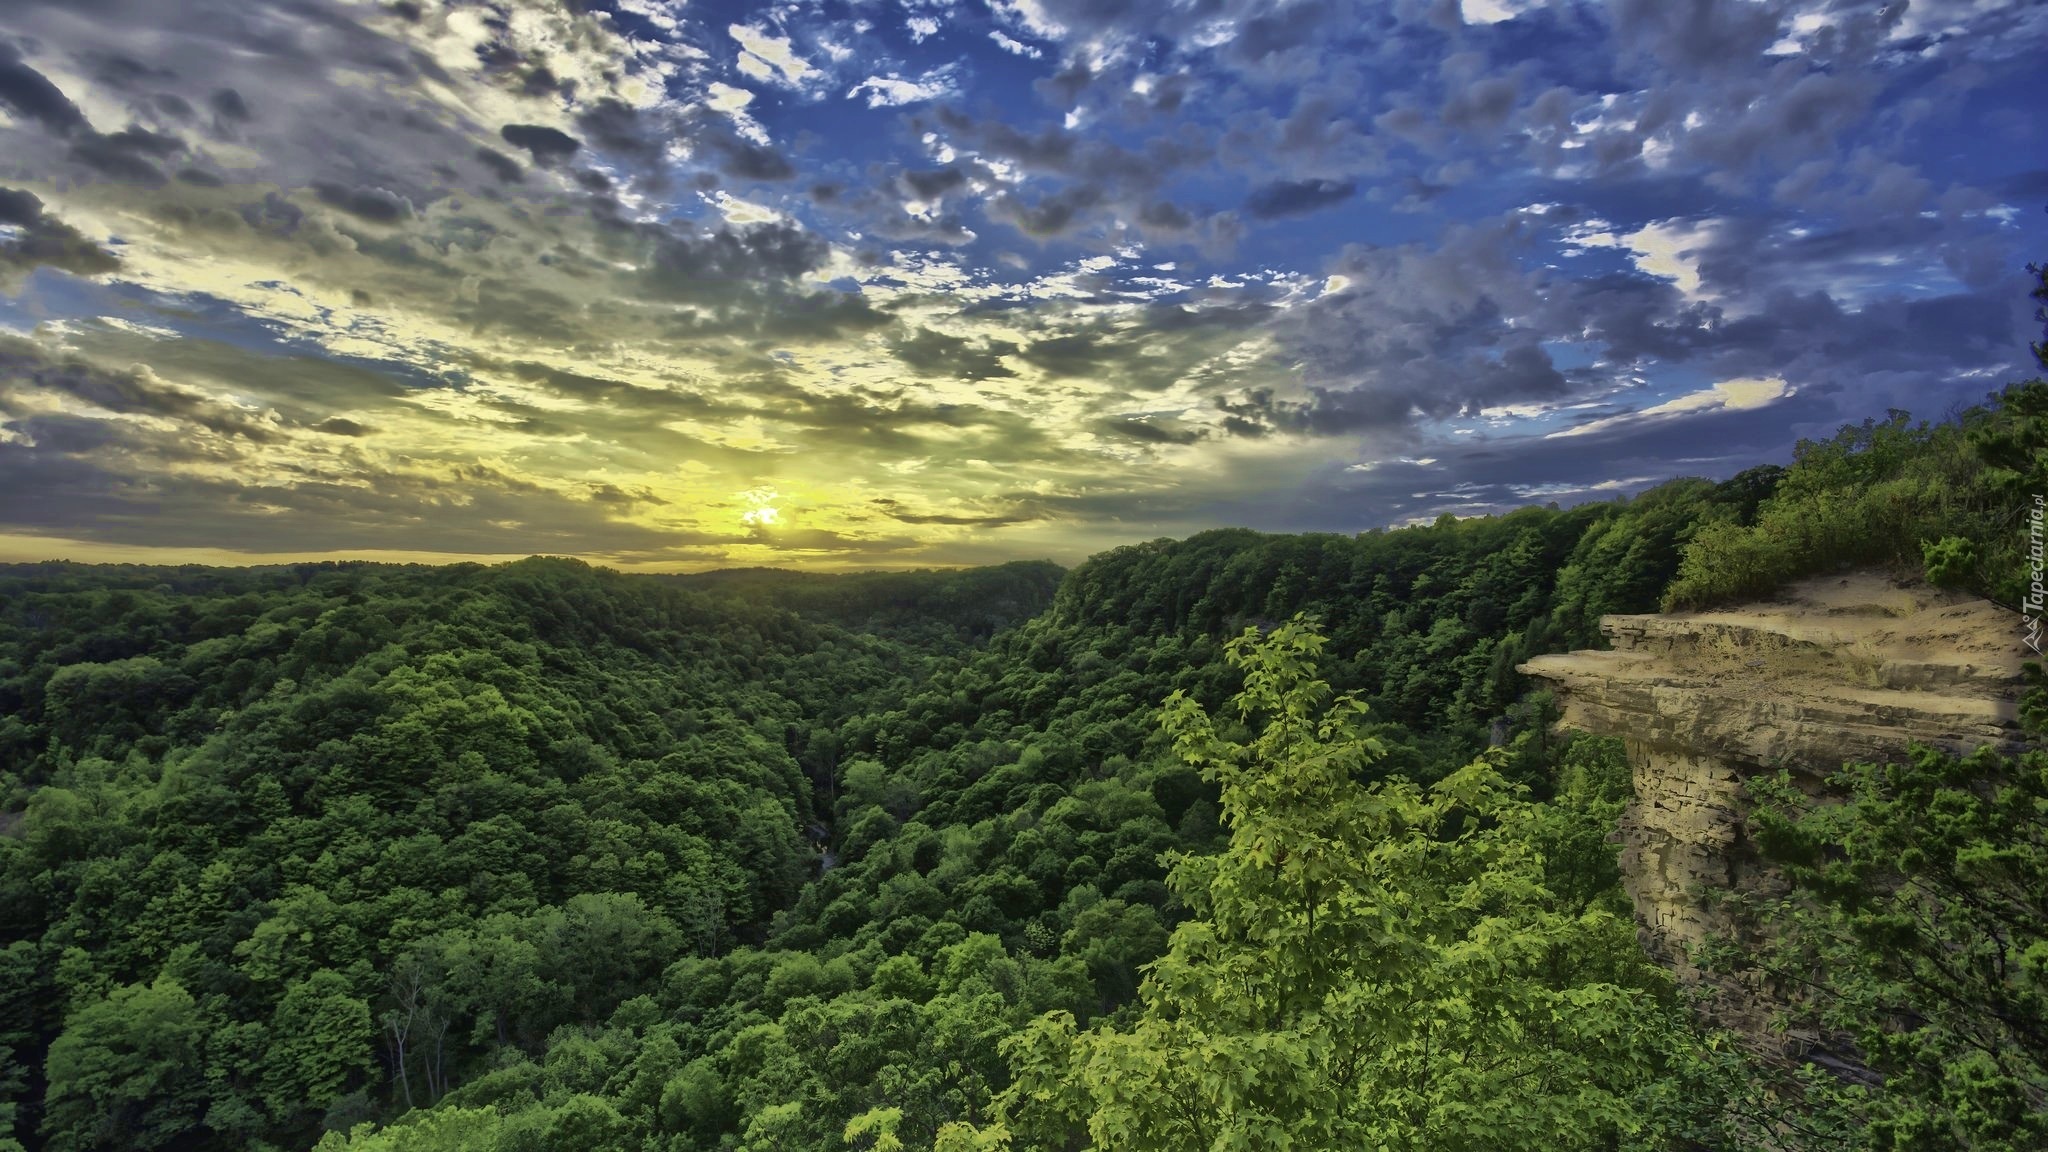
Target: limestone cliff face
[{"x": 1837, "y": 668}]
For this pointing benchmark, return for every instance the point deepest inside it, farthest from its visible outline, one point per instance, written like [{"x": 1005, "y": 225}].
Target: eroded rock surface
[{"x": 1838, "y": 668}]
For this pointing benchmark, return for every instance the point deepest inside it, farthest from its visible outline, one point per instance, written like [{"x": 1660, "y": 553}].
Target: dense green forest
[{"x": 1239, "y": 841}]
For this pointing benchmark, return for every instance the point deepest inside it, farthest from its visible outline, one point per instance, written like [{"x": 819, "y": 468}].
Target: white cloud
[
  {"x": 921, "y": 28},
  {"x": 661, "y": 15},
  {"x": 1493, "y": 11},
  {"x": 738, "y": 212},
  {"x": 893, "y": 91},
  {"x": 770, "y": 58},
  {"x": 1015, "y": 46},
  {"x": 721, "y": 97},
  {"x": 1030, "y": 16},
  {"x": 1667, "y": 249},
  {"x": 1728, "y": 396}
]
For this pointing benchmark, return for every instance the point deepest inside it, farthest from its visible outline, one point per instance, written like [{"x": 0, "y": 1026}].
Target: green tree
[
  {"x": 321, "y": 1044},
  {"x": 1369, "y": 966},
  {"x": 126, "y": 1071},
  {"x": 1916, "y": 926}
]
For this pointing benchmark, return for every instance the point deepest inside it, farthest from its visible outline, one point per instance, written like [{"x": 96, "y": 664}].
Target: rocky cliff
[{"x": 1851, "y": 667}]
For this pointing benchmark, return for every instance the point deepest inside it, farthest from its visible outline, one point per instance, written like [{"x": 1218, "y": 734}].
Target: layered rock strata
[{"x": 1853, "y": 667}]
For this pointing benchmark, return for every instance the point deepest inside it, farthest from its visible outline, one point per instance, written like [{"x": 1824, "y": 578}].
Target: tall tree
[
  {"x": 125, "y": 1072},
  {"x": 1370, "y": 965}
]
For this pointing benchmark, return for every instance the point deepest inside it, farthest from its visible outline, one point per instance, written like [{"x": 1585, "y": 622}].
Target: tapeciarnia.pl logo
[{"x": 2037, "y": 594}]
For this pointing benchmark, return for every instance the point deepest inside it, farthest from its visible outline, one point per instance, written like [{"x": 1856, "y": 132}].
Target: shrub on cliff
[{"x": 1946, "y": 497}]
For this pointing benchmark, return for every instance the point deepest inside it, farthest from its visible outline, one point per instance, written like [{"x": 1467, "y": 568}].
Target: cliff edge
[{"x": 1836, "y": 668}]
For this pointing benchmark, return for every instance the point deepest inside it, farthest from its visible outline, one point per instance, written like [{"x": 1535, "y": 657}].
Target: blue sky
[{"x": 908, "y": 282}]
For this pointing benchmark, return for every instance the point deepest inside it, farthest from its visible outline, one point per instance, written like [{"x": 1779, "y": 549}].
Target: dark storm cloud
[
  {"x": 547, "y": 146},
  {"x": 1416, "y": 332},
  {"x": 613, "y": 126},
  {"x": 1081, "y": 354},
  {"x": 1094, "y": 175},
  {"x": 1166, "y": 216},
  {"x": 1692, "y": 37},
  {"x": 613, "y": 494},
  {"x": 44, "y": 240},
  {"x": 20, "y": 207},
  {"x": 895, "y": 510},
  {"x": 102, "y": 484},
  {"x": 929, "y": 184},
  {"x": 1297, "y": 197},
  {"x": 937, "y": 354},
  {"x": 132, "y": 154},
  {"x": 282, "y": 88},
  {"x": 273, "y": 215},
  {"x": 888, "y": 223},
  {"x": 1424, "y": 333},
  {"x": 135, "y": 391},
  {"x": 590, "y": 389},
  {"x": 745, "y": 160},
  {"x": 377, "y": 205},
  {"x": 682, "y": 263},
  {"x": 1053, "y": 214},
  {"x": 1819, "y": 307},
  {"x": 1784, "y": 123},
  {"x": 229, "y": 104},
  {"x": 304, "y": 389},
  {"x": 1475, "y": 476},
  {"x": 31, "y": 94},
  {"x": 502, "y": 166},
  {"x": 1146, "y": 431}
]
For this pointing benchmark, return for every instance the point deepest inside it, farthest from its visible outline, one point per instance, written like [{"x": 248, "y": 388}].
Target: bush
[{"x": 1943, "y": 497}]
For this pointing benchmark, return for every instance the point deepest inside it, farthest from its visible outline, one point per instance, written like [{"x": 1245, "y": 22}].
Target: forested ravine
[{"x": 545, "y": 856}]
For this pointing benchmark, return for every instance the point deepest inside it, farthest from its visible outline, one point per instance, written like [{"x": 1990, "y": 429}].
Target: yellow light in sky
[{"x": 761, "y": 511}]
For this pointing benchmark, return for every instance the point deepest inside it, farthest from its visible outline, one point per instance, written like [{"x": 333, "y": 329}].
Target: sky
[{"x": 682, "y": 284}]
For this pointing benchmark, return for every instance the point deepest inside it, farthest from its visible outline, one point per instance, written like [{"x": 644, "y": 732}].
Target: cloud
[
  {"x": 722, "y": 97},
  {"x": 770, "y": 58},
  {"x": 554, "y": 259},
  {"x": 547, "y": 146},
  {"x": 377, "y": 205},
  {"x": 30, "y": 93},
  {"x": 502, "y": 166},
  {"x": 1152, "y": 431},
  {"x": 893, "y": 91},
  {"x": 932, "y": 353},
  {"x": 43, "y": 240},
  {"x": 1014, "y": 46},
  {"x": 1297, "y": 197},
  {"x": 1728, "y": 395},
  {"x": 1668, "y": 249},
  {"x": 896, "y": 510},
  {"x": 1492, "y": 11},
  {"x": 135, "y": 391}
]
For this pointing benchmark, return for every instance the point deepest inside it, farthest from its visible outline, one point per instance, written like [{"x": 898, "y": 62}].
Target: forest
[{"x": 1242, "y": 841}]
